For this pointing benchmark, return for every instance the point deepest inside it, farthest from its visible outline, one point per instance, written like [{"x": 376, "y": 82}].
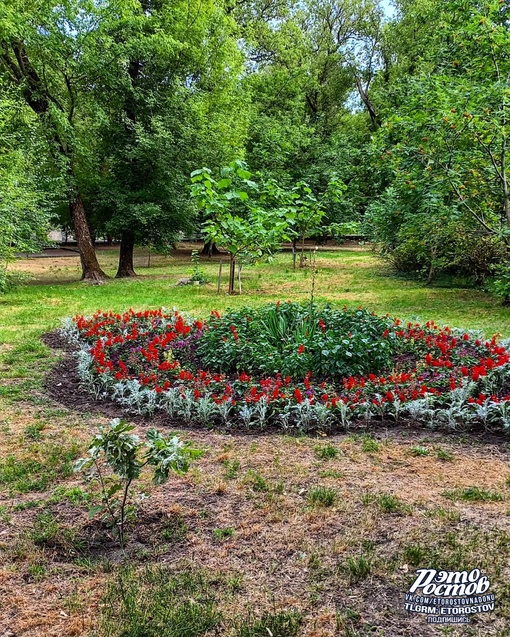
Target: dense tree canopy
[{"x": 118, "y": 103}]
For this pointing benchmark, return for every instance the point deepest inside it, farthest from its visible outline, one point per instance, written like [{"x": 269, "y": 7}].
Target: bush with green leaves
[
  {"x": 501, "y": 283},
  {"x": 126, "y": 455},
  {"x": 294, "y": 339}
]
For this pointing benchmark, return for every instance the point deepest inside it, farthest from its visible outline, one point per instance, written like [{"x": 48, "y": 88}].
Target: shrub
[
  {"x": 126, "y": 455},
  {"x": 292, "y": 340}
]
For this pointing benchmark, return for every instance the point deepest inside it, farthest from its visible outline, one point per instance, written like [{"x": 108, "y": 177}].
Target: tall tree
[
  {"x": 26, "y": 196},
  {"x": 172, "y": 103},
  {"x": 444, "y": 143},
  {"x": 44, "y": 52}
]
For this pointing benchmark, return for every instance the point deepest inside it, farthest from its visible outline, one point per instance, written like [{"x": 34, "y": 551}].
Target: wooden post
[{"x": 239, "y": 278}]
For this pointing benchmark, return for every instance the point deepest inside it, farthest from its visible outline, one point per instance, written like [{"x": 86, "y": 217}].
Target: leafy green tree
[
  {"x": 444, "y": 151},
  {"x": 170, "y": 105},
  {"x": 308, "y": 210},
  {"x": 240, "y": 214},
  {"x": 26, "y": 199},
  {"x": 46, "y": 50}
]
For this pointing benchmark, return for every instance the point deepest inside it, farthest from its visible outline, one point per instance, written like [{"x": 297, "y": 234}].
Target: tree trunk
[
  {"x": 91, "y": 271},
  {"x": 302, "y": 255},
  {"x": 126, "y": 267},
  {"x": 209, "y": 249},
  {"x": 374, "y": 116},
  {"x": 232, "y": 275}
]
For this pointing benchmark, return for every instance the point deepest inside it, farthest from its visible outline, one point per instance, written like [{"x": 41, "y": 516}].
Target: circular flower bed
[{"x": 294, "y": 366}]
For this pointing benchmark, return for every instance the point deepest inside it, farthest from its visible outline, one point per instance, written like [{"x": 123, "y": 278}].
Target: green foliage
[
  {"x": 25, "y": 198},
  {"x": 322, "y": 496},
  {"x": 280, "y": 624},
  {"x": 289, "y": 338},
  {"x": 359, "y": 567},
  {"x": 387, "y": 503},
  {"x": 473, "y": 494},
  {"x": 223, "y": 534},
  {"x": 197, "y": 273},
  {"x": 444, "y": 454},
  {"x": 501, "y": 283},
  {"x": 370, "y": 445},
  {"x": 159, "y": 603},
  {"x": 256, "y": 481},
  {"x": 174, "y": 530},
  {"x": 442, "y": 150},
  {"x": 171, "y": 107},
  {"x": 126, "y": 455},
  {"x": 419, "y": 450},
  {"x": 240, "y": 214},
  {"x": 326, "y": 452},
  {"x": 37, "y": 471},
  {"x": 232, "y": 469}
]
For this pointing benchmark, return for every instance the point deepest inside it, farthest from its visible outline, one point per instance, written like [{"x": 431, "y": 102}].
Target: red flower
[
  {"x": 301, "y": 349},
  {"x": 298, "y": 395}
]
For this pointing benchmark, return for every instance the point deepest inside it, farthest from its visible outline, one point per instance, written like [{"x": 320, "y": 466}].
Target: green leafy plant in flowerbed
[
  {"x": 295, "y": 367},
  {"x": 293, "y": 339}
]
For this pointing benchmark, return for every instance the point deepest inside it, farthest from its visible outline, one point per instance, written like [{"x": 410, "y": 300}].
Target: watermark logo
[{"x": 449, "y": 597}]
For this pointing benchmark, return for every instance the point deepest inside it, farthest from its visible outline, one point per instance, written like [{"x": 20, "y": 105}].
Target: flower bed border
[{"x": 473, "y": 400}]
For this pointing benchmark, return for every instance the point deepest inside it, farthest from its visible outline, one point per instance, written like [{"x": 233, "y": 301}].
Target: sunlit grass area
[{"x": 351, "y": 276}]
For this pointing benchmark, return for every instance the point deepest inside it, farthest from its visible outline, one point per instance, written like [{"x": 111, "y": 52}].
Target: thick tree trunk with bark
[
  {"x": 126, "y": 267},
  {"x": 209, "y": 249},
  {"x": 91, "y": 270}
]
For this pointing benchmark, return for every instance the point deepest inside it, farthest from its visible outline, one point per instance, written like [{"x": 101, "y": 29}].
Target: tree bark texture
[
  {"x": 126, "y": 266},
  {"x": 91, "y": 270}
]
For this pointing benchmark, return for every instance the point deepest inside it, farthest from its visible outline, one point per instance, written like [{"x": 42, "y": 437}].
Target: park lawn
[
  {"x": 267, "y": 534},
  {"x": 350, "y": 276}
]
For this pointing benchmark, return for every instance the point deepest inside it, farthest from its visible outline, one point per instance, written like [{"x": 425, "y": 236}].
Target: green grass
[
  {"x": 282, "y": 624},
  {"x": 174, "y": 530},
  {"x": 223, "y": 534},
  {"x": 256, "y": 482},
  {"x": 351, "y": 277},
  {"x": 187, "y": 604},
  {"x": 358, "y": 567},
  {"x": 47, "y": 463},
  {"x": 387, "y": 503},
  {"x": 459, "y": 550},
  {"x": 326, "y": 452},
  {"x": 156, "y": 602},
  {"x": 473, "y": 494},
  {"x": 370, "y": 445},
  {"x": 419, "y": 450},
  {"x": 322, "y": 496}
]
